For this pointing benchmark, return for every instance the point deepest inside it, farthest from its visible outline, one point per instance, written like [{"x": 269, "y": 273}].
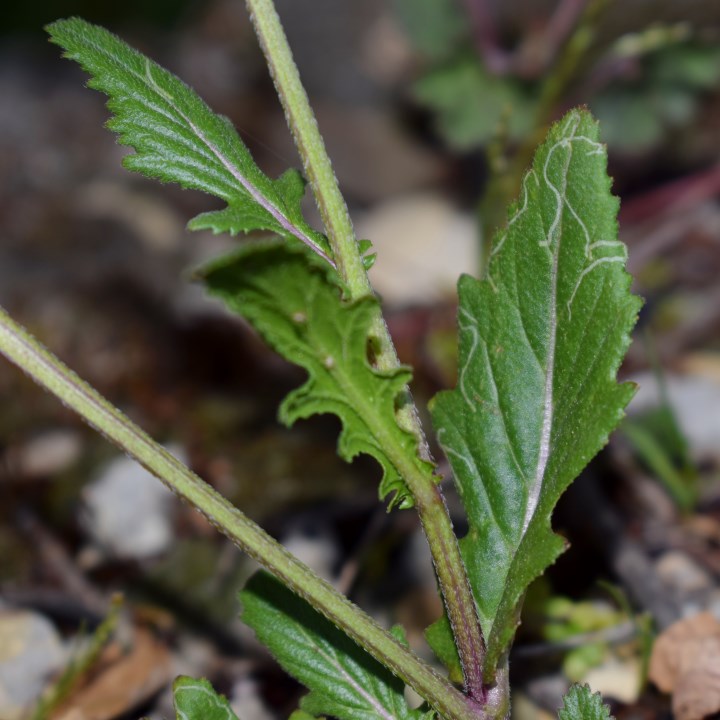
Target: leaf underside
[
  {"x": 178, "y": 138},
  {"x": 295, "y": 303},
  {"x": 541, "y": 339},
  {"x": 344, "y": 680}
]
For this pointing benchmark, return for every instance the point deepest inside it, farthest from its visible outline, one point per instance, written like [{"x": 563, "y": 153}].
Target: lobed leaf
[
  {"x": 541, "y": 339},
  {"x": 580, "y": 703},
  {"x": 344, "y": 680},
  {"x": 178, "y": 138},
  {"x": 296, "y": 305},
  {"x": 196, "y": 700}
]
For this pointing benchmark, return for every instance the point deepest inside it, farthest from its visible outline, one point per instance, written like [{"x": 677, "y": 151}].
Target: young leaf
[
  {"x": 440, "y": 638},
  {"x": 541, "y": 340},
  {"x": 344, "y": 681},
  {"x": 295, "y": 304},
  {"x": 580, "y": 703},
  {"x": 196, "y": 700},
  {"x": 178, "y": 138},
  {"x": 301, "y": 715}
]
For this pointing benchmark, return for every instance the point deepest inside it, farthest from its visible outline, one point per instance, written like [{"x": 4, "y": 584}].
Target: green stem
[
  {"x": 311, "y": 146},
  {"x": 318, "y": 168},
  {"x": 49, "y": 372},
  {"x": 430, "y": 503}
]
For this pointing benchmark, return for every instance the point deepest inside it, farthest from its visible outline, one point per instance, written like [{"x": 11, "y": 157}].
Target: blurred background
[{"x": 430, "y": 110}]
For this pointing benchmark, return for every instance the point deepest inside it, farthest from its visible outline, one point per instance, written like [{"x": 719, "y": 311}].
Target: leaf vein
[{"x": 333, "y": 661}]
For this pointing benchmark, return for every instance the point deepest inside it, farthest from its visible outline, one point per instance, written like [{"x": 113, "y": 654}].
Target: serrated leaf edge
[
  {"x": 298, "y": 403},
  {"x": 181, "y": 684},
  {"x": 251, "y": 190},
  {"x": 567, "y": 135},
  {"x": 577, "y": 692},
  {"x": 256, "y": 195}
]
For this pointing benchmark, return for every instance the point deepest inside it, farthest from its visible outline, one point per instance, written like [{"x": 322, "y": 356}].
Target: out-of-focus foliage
[
  {"x": 661, "y": 446},
  {"x": 470, "y": 103},
  {"x": 637, "y": 113},
  {"x": 435, "y": 27},
  {"x": 641, "y": 86}
]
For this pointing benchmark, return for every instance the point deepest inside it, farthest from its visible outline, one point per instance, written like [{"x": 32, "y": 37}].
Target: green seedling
[{"x": 541, "y": 339}]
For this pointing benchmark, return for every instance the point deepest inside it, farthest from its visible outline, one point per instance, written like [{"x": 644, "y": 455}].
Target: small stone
[
  {"x": 617, "y": 679},
  {"x": 523, "y": 708},
  {"x": 49, "y": 453},
  {"x": 713, "y": 603},
  {"x": 547, "y": 691},
  {"x": 683, "y": 574},
  {"x": 315, "y": 545},
  {"x": 247, "y": 702},
  {"x": 695, "y": 400},
  {"x": 423, "y": 244},
  {"x": 128, "y": 511},
  {"x": 31, "y": 652}
]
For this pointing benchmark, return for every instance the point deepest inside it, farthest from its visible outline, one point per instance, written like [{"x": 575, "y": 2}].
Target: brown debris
[
  {"x": 685, "y": 661},
  {"x": 125, "y": 681}
]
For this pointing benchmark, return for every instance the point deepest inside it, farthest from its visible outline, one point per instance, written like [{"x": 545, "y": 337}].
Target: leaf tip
[{"x": 581, "y": 703}]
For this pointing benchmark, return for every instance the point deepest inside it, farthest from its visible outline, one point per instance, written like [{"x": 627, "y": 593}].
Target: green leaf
[
  {"x": 580, "y": 703},
  {"x": 301, "y": 715},
  {"x": 368, "y": 258},
  {"x": 440, "y": 638},
  {"x": 196, "y": 700},
  {"x": 435, "y": 27},
  {"x": 295, "y": 304},
  {"x": 178, "y": 138},
  {"x": 541, "y": 340},
  {"x": 470, "y": 104},
  {"x": 344, "y": 680}
]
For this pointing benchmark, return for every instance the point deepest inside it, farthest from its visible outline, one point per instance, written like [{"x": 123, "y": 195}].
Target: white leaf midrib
[
  {"x": 552, "y": 241},
  {"x": 253, "y": 191}
]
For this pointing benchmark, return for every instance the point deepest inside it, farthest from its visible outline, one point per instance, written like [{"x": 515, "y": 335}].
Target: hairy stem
[
  {"x": 318, "y": 167},
  {"x": 49, "y": 372},
  {"x": 430, "y": 503},
  {"x": 311, "y": 146}
]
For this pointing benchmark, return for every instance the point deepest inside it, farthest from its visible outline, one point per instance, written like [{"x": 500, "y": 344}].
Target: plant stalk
[
  {"x": 318, "y": 168},
  {"x": 311, "y": 146},
  {"x": 49, "y": 372},
  {"x": 449, "y": 566}
]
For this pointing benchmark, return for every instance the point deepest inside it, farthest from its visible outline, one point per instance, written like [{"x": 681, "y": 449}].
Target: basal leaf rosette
[{"x": 541, "y": 340}]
